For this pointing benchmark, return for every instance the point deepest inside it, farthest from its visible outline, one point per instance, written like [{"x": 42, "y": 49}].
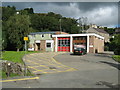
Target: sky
[{"x": 99, "y": 13}]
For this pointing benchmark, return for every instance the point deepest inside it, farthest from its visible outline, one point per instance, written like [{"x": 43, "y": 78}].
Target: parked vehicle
[{"x": 80, "y": 51}]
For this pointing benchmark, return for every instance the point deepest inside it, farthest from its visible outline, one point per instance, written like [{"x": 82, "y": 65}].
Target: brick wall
[
  {"x": 54, "y": 43},
  {"x": 97, "y": 43},
  {"x": 42, "y": 45},
  {"x": 91, "y": 44}
]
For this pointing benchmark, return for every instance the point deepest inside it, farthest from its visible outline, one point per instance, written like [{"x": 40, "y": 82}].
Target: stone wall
[{"x": 10, "y": 67}]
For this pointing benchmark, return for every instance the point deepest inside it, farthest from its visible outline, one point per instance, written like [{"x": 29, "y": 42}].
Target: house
[
  {"x": 63, "y": 42},
  {"x": 99, "y": 31},
  {"x": 117, "y": 30},
  {"x": 42, "y": 41}
]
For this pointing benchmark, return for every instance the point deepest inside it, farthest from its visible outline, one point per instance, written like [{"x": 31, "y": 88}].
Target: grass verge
[
  {"x": 17, "y": 58},
  {"x": 116, "y": 58}
]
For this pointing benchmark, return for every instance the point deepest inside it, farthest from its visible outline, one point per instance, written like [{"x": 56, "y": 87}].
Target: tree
[
  {"x": 18, "y": 27},
  {"x": 57, "y": 16},
  {"x": 7, "y": 12},
  {"x": 74, "y": 29},
  {"x": 111, "y": 31},
  {"x": 29, "y": 10},
  {"x": 115, "y": 44}
]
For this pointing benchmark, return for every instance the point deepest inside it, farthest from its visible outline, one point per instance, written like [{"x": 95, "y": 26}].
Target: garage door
[{"x": 64, "y": 44}]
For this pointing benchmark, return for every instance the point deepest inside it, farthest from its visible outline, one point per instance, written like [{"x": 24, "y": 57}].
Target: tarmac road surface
[{"x": 66, "y": 70}]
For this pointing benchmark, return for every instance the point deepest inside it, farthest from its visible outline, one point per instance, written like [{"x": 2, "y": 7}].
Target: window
[
  {"x": 51, "y": 35},
  {"x": 48, "y": 45},
  {"x": 42, "y": 35}
]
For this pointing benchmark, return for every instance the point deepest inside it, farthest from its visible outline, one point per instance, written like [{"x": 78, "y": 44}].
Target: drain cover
[{"x": 52, "y": 68}]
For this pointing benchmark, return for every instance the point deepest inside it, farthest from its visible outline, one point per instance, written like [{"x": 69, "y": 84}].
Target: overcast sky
[{"x": 100, "y": 13}]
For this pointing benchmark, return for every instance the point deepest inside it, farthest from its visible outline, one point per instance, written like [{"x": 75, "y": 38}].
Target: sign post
[{"x": 25, "y": 39}]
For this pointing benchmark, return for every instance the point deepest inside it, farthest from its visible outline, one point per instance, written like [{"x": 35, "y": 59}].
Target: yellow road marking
[
  {"x": 40, "y": 70},
  {"x": 52, "y": 60},
  {"x": 19, "y": 79},
  {"x": 32, "y": 68},
  {"x": 40, "y": 60},
  {"x": 63, "y": 64}
]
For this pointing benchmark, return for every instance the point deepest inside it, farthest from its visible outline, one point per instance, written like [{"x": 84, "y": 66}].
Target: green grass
[
  {"x": 17, "y": 58},
  {"x": 117, "y": 58}
]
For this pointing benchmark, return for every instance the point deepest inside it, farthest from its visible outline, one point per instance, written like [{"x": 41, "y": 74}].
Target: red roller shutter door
[{"x": 64, "y": 44}]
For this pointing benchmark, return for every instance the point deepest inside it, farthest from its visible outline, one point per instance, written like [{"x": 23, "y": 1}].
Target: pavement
[{"x": 65, "y": 70}]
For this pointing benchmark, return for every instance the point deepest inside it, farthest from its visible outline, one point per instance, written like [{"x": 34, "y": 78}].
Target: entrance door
[
  {"x": 38, "y": 46},
  {"x": 64, "y": 44}
]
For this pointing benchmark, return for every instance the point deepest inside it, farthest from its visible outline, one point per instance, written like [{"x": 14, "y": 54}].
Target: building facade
[
  {"x": 99, "y": 32},
  {"x": 92, "y": 42},
  {"x": 42, "y": 41},
  {"x": 63, "y": 42}
]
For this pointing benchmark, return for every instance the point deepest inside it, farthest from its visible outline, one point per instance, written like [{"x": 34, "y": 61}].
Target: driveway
[{"x": 70, "y": 71}]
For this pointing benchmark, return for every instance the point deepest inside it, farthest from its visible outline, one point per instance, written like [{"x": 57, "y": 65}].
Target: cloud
[{"x": 100, "y": 13}]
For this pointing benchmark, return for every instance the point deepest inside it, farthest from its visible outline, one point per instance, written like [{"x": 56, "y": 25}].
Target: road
[{"x": 70, "y": 71}]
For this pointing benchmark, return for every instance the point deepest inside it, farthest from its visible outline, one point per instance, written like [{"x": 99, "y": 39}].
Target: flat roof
[
  {"x": 43, "y": 33},
  {"x": 82, "y": 34}
]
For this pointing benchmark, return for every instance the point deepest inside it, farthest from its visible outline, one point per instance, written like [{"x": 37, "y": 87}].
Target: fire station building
[
  {"x": 64, "y": 42},
  {"x": 93, "y": 43}
]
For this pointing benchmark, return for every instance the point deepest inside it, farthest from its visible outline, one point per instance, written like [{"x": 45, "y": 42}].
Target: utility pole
[{"x": 60, "y": 26}]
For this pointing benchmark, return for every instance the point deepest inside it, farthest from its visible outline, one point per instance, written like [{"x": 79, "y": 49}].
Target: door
[{"x": 64, "y": 44}]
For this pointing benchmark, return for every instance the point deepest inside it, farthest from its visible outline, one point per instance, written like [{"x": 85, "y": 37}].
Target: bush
[
  {"x": 116, "y": 58},
  {"x": 117, "y": 51},
  {"x": 106, "y": 48}
]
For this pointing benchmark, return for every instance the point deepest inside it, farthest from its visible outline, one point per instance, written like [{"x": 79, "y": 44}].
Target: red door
[{"x": 64, "y": 44}]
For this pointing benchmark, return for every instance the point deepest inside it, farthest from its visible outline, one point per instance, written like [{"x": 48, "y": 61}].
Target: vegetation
[
  {"x": 111, "y": 31},
  {"x": 115, "y": 44},
  {"x": 117, "y": 58},
  {"x": 18, "y": 30},
  {"x": 17, "y": 24},
  {"x": 17, "y": 58}
]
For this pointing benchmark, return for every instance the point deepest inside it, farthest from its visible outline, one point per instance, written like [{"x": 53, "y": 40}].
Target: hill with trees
[{"x": 19, "y": 23}]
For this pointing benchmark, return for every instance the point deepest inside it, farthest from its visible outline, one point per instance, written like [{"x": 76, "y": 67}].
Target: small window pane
[{"x": 48, "y": 44}]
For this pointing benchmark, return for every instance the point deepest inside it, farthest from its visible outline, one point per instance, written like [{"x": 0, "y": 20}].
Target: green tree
[
  {"x": 75, "y": 29},
  {"x": 115, "y": 44},
  {"x": 57, "y": 16},
  {"x": 7, "y": 12},
  {"x": 111, "y": 31},
  {"x": 18, "y": 27}
]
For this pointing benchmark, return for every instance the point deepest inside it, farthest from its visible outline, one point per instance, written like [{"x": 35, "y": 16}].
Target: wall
[
  {"x": 42, "y": 45},
  {"x": 32, "y": 38},
  {"x": 91, "y": 44},
  {"x": 54, "y": 39},
  {"x": 97, "y": 43}
]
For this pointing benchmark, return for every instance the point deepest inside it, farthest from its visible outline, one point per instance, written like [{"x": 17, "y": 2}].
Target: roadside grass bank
[
  {"x": 116, "y": 58},
  {"x": 15, "y": 57}
]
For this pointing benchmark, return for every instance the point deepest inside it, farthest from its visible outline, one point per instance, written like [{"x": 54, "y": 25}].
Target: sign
[
  {"x": 25, "y": 38},
  {"x": 79, "y": 46},
  {"x": 91, "y": 46}
]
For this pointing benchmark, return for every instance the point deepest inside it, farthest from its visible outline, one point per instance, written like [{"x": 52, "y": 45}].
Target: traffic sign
[{"x": 25, "y": 38}]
